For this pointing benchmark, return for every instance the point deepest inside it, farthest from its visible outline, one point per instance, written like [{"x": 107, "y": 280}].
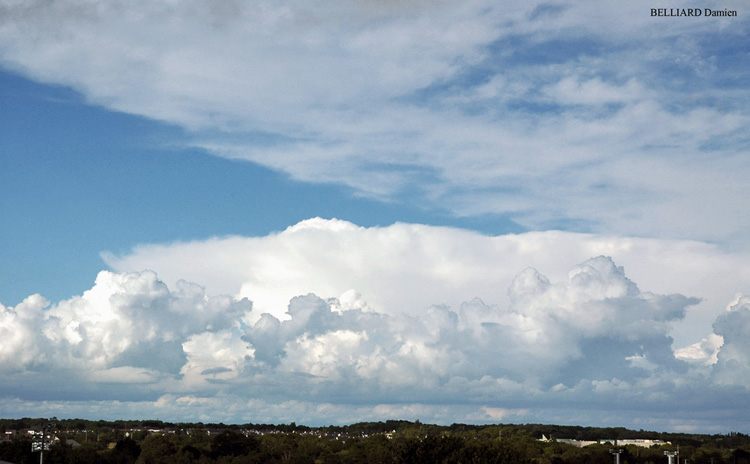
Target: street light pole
[
  {"x": 617, "y": 453},
  {"x": 41, "y": 443},
  {"x": 671, "y": 456}
]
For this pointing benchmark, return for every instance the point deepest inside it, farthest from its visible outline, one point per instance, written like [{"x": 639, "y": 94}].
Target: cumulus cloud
[
  {"x": 598, "y": 313},
  {"x": 703, "y": 352},
  {"x": 578, "y": 114},
  {"x": 19, "y": 327},
  {"x": 407, "y": 268},
  {"x": 592, "y": 334},
  {"x": 128, "y": 328},
  {"x": 733, "y": 359}
]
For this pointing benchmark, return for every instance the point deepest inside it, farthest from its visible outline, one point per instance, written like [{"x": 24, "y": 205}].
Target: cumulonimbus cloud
[
  {"x": 460, "y": 106},
  {"x": 406, "y": 268},
  {"x": 591, "y": 334}
]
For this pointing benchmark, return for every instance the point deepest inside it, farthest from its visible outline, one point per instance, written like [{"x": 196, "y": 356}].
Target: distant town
[{"x": 78, "y": 441}]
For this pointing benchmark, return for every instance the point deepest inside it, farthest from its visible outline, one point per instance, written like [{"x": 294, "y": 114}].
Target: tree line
[{"x": 391, "y": 442}]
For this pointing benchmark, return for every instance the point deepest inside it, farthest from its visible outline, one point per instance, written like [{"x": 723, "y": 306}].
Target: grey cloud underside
[{"x": 593, "y": 339}]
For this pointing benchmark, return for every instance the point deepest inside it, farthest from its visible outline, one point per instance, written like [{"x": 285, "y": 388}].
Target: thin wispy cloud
[{"x": 585, "y": 113}]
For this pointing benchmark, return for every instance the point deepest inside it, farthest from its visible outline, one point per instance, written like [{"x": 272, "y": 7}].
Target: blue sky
[
  {"x": 80, "y": 180},
  {"x": 399, "y": 207}
]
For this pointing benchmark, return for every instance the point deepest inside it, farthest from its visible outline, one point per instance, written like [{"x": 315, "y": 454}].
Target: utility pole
[
  {"x": 671, "y": 455},
  {"x": 617, "y": 453}
]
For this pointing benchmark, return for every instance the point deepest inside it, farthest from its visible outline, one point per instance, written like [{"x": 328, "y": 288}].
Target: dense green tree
[
  {"x": 18, "y": 451},
  {"x": 156, "y": 449},
  {"x": 413, "y": 442},
  {"x": 126, "y": 451},
  {"x": 233, "y": 444}
]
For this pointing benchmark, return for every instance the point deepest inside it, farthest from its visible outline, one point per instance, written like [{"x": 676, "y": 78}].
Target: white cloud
[
  {"x": 407, "y": 268},
  {"x": 128, "y": 329},
  {"x": 125, "y": 374},
  {"x": 586, "y": 334},
  {"x": 704, "y": 352},
  {"x": 18, "y": 329},
  {"x": 499, "y": 414},
  {"x": 595, "y": 92},
  {"x": 579, "y": 114},
  {"x": 733, "y": 359},
  {"x": 214, "y": 355}
]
